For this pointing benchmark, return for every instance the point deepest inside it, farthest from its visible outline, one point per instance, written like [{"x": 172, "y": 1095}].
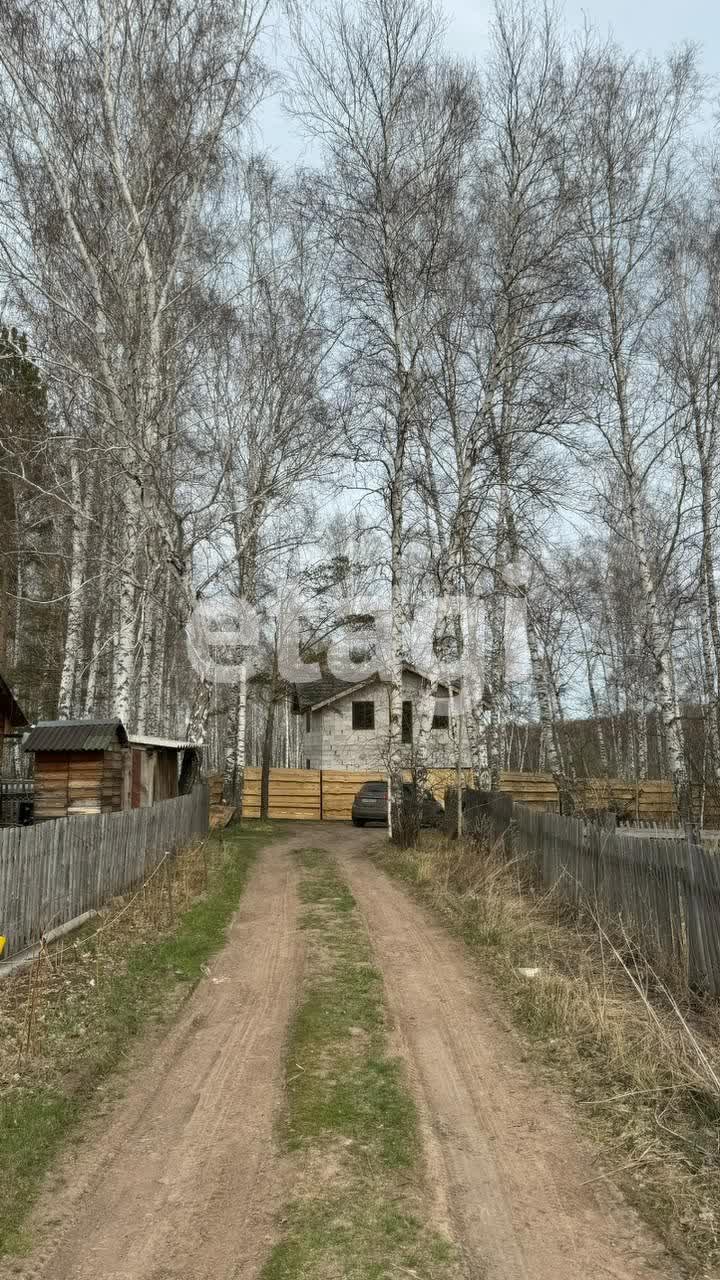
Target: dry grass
[
  {"x": 46, "y": 1010},
  {"x": 640, "y": 1056}
]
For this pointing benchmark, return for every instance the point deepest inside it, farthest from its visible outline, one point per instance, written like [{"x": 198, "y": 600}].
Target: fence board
[
  {"x": 55, "y": 871},
  {"x": 311, "y": 793},
  {"x": 293, "y": 794},
  {"x": 339, "y": 790},
  {"x": 660, "y": 893}
]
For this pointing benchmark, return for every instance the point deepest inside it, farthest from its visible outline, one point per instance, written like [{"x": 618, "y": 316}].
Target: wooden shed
[
  {"x": 81, "y": 766},
  {"x": 155, "y": 769},
  {"x": 93, "y": 766}
]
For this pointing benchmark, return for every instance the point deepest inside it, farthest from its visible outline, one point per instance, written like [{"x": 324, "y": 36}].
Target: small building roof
[
  {"x": 10, "y": 709},
  {"x": 168, "y": 744},
  {"x": 76, "y": 735}
]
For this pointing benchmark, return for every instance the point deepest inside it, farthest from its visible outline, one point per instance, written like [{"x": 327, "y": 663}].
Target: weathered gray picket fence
[
  {"x": 663, "y": 894},
  {"x": 55, "y": 871}
]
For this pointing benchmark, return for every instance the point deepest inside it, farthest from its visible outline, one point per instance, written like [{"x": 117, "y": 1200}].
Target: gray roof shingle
[{"x": 307, "y": 693}]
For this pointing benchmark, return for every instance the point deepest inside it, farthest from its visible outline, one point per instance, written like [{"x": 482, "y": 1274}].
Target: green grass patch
[
  {"x": 91, "y": 1010},
  {"x": 351, "y": 1125}
]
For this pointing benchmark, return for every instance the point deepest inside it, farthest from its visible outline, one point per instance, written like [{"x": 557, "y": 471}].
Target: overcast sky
[{"x": 645, "y": 26}]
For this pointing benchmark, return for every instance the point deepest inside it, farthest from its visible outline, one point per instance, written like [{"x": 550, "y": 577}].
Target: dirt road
[
  {"x": 519, "y": 1187},
  {"x": 186, "y": 1181},
  {"x": 184, "y": 1184}
]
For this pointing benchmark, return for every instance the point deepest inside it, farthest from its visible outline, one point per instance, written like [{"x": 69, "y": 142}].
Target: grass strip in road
[
  {"x": 351, "y": 1127},
  {"x": 64, "y": 1030}
]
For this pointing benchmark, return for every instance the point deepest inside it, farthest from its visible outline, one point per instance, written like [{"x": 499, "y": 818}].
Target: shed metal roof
[
  {"x": 76, "y": 735},
  {"x": 170, "y": 744}
]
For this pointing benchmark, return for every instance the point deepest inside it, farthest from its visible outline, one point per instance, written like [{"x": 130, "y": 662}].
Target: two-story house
[{"x": 346, "y": 725}]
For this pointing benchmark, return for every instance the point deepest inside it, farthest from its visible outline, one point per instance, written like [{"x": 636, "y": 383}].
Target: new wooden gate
[{"x": 294, "y": 793}]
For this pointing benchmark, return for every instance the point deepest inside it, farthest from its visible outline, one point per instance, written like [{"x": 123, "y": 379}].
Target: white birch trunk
[
  {"x": 544, "y": 698},
  {"x": 708, "y": 604},
  {"x": 157, "y": 716},
  {"x": 68, "y": 695},
  {"x": 710, "y": 682},
  {"x": 642, "y": 757},
  {"x": 146, "y": 641},
  {"x": 91, "y": 696},
  {"x": 664, "y": 694},
  {"x": 425, "y": 713},
  {"x": 475, "y": 714},
  {"x": 496, "y": 681},
  {"x": 395, "y": 690},
  {"x": 235, "y": 755},
  {"x": 124, "y": 657}
]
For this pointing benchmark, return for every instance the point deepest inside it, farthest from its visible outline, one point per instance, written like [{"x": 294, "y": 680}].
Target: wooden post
[
  {"x": 459, "y": 772},
  {"x": 697, "y": 965},
  {"x": 168, "y": 873}
]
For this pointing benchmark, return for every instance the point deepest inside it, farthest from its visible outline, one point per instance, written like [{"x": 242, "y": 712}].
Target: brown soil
[
  {"x": 522, "y": 1193},
  {"x": 185, "y": 1183}
]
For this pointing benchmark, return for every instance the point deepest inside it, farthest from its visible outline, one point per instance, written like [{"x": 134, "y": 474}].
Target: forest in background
[{"x": 469, "y": 352}]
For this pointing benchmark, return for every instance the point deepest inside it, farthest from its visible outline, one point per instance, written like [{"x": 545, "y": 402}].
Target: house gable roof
[
  {"x": 10, "y": 709},
  {"x": 316, "y": 694},
  {"x": 308, "y": 694},
  {"x": 76, "y": 735}
]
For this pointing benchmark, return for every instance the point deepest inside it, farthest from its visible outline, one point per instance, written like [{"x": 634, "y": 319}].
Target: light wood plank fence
[
  {"x": 294, "y": 793},
  {"x": 57, "y": 870},
  {"x": 659, "y": 892},
  {"x": 327, "y": 794}
]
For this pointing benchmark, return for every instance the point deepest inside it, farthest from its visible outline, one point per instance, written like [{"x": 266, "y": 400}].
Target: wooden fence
[
  {"x": 327, "y": 794},
  {"x": 294, "y": 793},
  {"x": 57, "y": 870},
  {"x": 14, "y": 793},
  {"x": 662, "y": 894}
]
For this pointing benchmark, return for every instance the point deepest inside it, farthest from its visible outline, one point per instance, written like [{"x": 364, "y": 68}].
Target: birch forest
[{"x": 466, "y": 347}]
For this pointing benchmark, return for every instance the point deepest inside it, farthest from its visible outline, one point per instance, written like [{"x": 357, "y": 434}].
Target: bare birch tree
[
  {"x": 390, "y": 116},
  {"x": 116, "y": 119},
  {"x": 628, "y": 131},
  {"x": 690, "y": 353}
]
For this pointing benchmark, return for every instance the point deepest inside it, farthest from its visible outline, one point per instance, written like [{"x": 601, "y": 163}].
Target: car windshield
[{"x": 373, "y": 788}]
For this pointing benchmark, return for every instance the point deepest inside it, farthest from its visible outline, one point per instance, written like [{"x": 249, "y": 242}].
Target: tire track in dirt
[
  {"x": 185, "y": 1182},
  {"x": 509, "y": 1168}
]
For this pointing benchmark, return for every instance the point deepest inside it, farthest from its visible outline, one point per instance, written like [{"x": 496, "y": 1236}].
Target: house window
[
  {"x": 407, "y": 723},
  {"x": 363, "y": 715},
  {"x": 307, "y": 762},
  {"x": 441, "y": 718},
  {"x": 308, "y": 721}
]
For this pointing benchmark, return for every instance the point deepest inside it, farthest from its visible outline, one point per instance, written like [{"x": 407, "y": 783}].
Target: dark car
[{"x": 370, "y": 805}]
